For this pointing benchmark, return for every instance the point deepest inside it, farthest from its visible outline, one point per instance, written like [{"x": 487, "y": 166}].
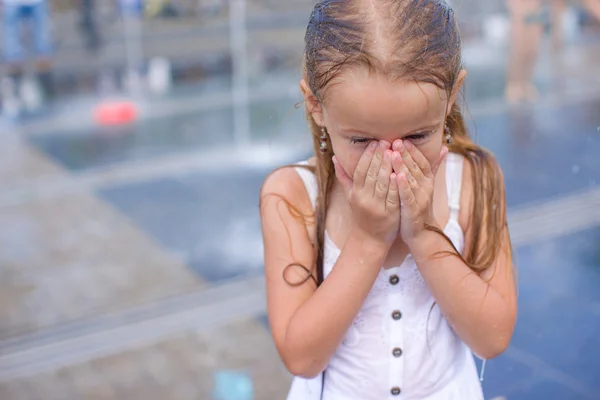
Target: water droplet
[{"x": 575, "y": 169}]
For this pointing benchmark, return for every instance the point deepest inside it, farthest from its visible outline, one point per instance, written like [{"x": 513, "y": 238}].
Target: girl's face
[{"x": 363, "y": 107}]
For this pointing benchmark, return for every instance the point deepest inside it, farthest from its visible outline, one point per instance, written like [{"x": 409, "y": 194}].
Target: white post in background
[
  {"x": 239, "y": 57},
  {"x": 132, "y": 29}
]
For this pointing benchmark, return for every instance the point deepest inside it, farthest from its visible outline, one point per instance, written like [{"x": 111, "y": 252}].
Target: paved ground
[{"x": 130, "y": 259}]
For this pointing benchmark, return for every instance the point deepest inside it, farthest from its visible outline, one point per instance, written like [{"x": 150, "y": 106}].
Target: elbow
[
  {"x": 497, "y": 344},
  {"x": 303, "y": 367},
  {"x": 493, "y": 350},
  {"x": 300, "y": 358},
  {"x": 500, "y": 336}
]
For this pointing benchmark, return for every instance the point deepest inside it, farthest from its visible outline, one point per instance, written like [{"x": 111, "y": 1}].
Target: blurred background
[{"x": 135, "y": 135}]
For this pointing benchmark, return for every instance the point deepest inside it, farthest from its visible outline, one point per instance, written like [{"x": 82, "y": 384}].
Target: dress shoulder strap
[
  {"x": 310, "y": 183},
  {"x": 454, "y": 173}
]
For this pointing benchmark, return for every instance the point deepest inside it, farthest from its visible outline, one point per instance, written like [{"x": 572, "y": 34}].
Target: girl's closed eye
[
  {"x": 418, "y": 137},
  {"x": 415, "y": 138},
  {"x": 360, "y": 140}
]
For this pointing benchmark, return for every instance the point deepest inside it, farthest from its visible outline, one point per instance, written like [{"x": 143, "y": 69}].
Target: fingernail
[
  {"x": 383, "y": 144},
  {"x": 401, "y": 145},
  {"x": 409, "y": 144},
  {"x": 373, "y": 145},
  {"x": 386, "y": 155}
]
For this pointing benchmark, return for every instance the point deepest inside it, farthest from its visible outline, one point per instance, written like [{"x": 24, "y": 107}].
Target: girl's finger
[
  {"x": 342, "y": 176},
  {"x": 399, "y": 166},
  {"x": 397, "y": 163},
  {"x": 392, "y": 202},
  {"x": 414, "y": 170},
  {"x": 407, "y": 197},
  {"x": 360, "y": 173},
  {"x": 419, "y": 159},
  {"x": 383, "y": 180},
  {"x": 373, "y": 171}
]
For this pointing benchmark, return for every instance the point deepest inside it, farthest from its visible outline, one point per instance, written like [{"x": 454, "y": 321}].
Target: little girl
[{"x": 387, "y": 255}]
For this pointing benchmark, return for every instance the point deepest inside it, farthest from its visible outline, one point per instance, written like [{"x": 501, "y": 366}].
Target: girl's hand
[
  {"x": 416, "y": 180},
  {"x": 373, "y": 193}
]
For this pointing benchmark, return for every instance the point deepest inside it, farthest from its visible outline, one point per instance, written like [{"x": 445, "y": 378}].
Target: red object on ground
[{"x": 116, "y": 113}]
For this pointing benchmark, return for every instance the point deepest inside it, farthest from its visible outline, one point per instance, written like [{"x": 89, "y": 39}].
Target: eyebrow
[{"x": 427, "y": 128}]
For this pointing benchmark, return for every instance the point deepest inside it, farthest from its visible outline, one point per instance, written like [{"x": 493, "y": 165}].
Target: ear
[
  {"x": 456, "y": 90},
  {"x": 312, "y": 104}
]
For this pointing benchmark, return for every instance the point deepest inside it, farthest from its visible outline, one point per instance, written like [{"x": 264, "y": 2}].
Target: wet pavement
[
  {"x": 131, "y": 258},
  {"x": 555, "y": 347}
]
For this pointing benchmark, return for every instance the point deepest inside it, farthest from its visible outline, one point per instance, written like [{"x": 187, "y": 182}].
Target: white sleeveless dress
[{"x": 398, "y": 346}]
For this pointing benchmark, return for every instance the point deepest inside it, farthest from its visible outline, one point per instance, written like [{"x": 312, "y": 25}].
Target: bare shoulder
[{"x": 285, "y": 184}]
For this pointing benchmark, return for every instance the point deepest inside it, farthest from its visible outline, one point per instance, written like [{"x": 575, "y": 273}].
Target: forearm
[
  {"x": 474, "y": 309},
  {"x": 317, "y": 328}
]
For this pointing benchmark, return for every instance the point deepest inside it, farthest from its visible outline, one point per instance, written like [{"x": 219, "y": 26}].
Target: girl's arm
[{"x": 481, "y": 309}]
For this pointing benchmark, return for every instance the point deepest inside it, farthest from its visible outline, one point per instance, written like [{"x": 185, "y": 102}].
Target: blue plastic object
[{"x": 232, "y": 385}]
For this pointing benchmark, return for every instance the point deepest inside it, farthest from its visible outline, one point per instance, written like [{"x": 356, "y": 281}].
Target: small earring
[
  {"x": 323, "y": 139},
  {"x": 448, "y": 134}
]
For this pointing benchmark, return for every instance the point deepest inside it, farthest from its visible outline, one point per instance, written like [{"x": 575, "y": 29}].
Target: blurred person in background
[
  {"x": 88, "y": 24},
  {"x": 593, "y": 7},
  {"x": 528, "y": 19},
  {"x": 527, "y": 28},
  {"x": 559, "y": 8},
  {"x": 37, "y": 14}
]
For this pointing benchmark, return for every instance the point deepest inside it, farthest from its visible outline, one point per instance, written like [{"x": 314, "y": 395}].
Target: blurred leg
[
  {"x": 40, "y": 25},
  {"x": 557, "y": 30},
  {"x": 593, "y": 7},
  {"x": 11, "y": 24},
  {"x": 88, "y": 24},
  {"x": 526, "y": 34},
  {"x": 558, "y": 11}
]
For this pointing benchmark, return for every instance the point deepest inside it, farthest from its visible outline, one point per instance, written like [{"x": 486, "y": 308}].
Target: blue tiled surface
[
  {"x": 558, "y": 324},
  {"x": 568, "y": 267},
  {"x": 264, "y": 321},
  {"x": 211, "y": 221},
  {"x": 547, "y": 390},
  {"x": 563, "y": 334},
  {"x": 503, "y": 376},
  {"x": 161, "y": 208},
  {"x": 545, "y": 152}
]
